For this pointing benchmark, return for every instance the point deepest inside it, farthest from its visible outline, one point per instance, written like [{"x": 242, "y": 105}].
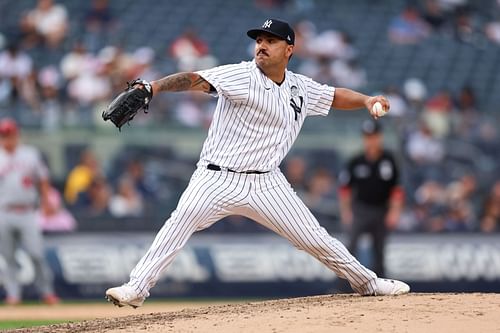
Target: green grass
[{"x": 12, "y": 324}]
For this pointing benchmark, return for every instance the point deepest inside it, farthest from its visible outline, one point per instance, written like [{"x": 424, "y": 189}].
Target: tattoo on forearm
[
  {"x": 182, "y": 82},
  {"x": 174, "y": 82}
]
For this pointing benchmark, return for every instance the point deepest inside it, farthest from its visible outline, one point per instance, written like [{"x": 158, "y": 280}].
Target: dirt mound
[{"x": 343, "y": 313}]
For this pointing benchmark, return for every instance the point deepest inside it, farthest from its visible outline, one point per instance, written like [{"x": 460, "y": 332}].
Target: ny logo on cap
[{"x": 267, "y": 24}]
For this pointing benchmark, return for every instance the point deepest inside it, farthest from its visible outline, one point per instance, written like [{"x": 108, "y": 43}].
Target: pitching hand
[{"x": 382, "y": 100}]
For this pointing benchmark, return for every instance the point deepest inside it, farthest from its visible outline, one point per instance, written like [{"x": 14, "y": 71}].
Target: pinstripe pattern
[
  {"x": 267, "y": 199},
  {"x": 208, "y": 198},
  {"x": 254, "y": 125},
  {"x": 278, "y": 207}
]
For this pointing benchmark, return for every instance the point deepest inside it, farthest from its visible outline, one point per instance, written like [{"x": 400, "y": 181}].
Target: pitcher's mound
[{"x": 466, "y": 313}]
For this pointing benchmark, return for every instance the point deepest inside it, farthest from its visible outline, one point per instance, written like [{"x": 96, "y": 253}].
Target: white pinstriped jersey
[
  {"x": 254, "y": 125},
  {"x": 19, "y": 175},
  {"x": 256, "y": 121}
]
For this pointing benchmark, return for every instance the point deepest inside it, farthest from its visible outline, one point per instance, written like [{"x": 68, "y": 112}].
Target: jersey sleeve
[
  {"x": 231, "y": 81},
  {"x": 320, "y": 98}
]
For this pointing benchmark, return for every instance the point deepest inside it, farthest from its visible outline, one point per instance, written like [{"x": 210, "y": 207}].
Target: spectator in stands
[
  {"x": 191, "y": 52},
  {"x": 490, "y": 219},
  {"x": 49, "y": 82},
  {"x": 95, "y": 200},
  {"x": 423, "y": 148},
  {"x": 430, "y": 206},
  {"x": 408, "y": 27},
  {"x": 143, "y": 60},
  {"x": 331, "y": 59},
  {"x": 318, "y": 68},
  {"x": 76, "y": 62},
  {"x": 99, "y": 24},
  {"x": 451, "y": 5},
  {"x": 446, "y": 207},
  {"x": 116, "y": 66},
  {"x": 438, "y": 113},
  {"x": 401, "y": 114},
  {"x": 81, "y": 176},
  {"x": 348, "y": 74},
  {"x": 126, "y": 201},
  {"x": 434, "y": 15},
  {"x": 399, "y": 107},
  {"x": 53, "y": 217},
  {"x": 16, "y": 71},
  {"x": 47, "y": 22},
  {"x": 93, "y": 86},
  {"x": 329, "y": 56},
  {"x": 425, "y": 153},
  {"x": 415, "y": 93},
  {"x": 466, "y": 120},
  {"x": 492, "y": 28},
  {"x": 461, "y": 214},
  {"x": 492, "y": 31},
  {"x": 146, "y": 187},
  {"x": 305, "y": 32},
  {"x": 321, "y": 196},
  {"x": 465, "y": 26},
  {"x": 333, "y": 45}
]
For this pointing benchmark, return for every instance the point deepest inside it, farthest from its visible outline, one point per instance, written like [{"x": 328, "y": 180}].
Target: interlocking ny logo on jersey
[
  {"x": 267, "y": 24},
  {"x": 294, "y": 91}
]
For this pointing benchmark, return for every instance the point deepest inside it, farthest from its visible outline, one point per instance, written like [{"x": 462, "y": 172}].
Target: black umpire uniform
[{"x": 369, "y": 184}]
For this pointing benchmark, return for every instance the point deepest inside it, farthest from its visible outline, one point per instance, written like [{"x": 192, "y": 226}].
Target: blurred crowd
[
  {"x": 437, "y": 203},
  {"x": 453, "y": 18},
  {"x": 438, "y": 131}
]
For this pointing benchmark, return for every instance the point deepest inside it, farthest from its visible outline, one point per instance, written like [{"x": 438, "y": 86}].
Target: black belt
[{"x": 218, "y": 168}]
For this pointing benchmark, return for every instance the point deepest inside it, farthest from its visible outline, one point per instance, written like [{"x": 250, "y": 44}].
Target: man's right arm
[{"x": 184, "y": 81}]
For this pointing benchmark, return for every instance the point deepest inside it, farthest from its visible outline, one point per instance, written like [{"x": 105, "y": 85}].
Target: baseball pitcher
[{"x": 261, "y": 108}]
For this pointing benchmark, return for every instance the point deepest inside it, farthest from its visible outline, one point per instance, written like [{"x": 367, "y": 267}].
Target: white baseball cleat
[
  {"x": 389, "y": 287},
  {"x": 124, "y": 295}
]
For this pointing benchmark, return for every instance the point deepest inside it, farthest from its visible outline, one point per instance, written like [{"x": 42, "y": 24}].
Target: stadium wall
[{"x": 84, "y": 265}]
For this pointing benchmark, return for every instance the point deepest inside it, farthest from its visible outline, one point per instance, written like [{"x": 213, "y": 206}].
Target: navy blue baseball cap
[{"x": 280, "y": 29}]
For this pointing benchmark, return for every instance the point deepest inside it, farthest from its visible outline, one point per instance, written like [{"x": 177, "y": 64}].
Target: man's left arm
[{"x": 347, "y": 99}]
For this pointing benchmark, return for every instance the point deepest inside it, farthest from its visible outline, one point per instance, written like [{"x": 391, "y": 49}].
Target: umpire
[{"x": 370, "y": 196}]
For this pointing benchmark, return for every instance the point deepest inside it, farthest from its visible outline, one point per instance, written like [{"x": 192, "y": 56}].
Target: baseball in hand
[{"x": 378, "y": 110}]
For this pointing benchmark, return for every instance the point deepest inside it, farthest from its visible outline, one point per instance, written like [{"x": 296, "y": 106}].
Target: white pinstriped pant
[{"x": 267, "y": 199}]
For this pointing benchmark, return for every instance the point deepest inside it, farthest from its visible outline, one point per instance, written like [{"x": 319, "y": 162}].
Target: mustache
[{"x": 263, "y": 52}]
